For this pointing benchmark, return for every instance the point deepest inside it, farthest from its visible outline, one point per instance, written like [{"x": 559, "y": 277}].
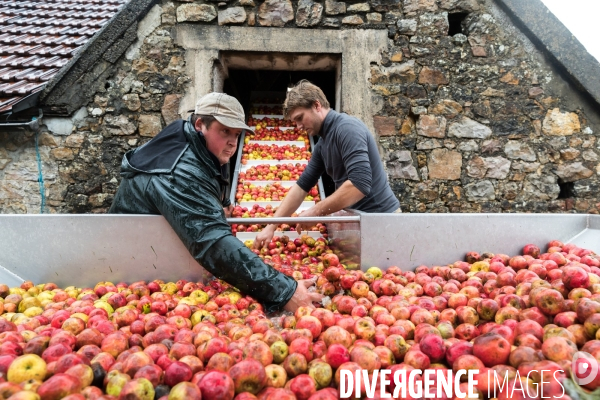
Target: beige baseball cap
[{"x": 226, "y": 109}]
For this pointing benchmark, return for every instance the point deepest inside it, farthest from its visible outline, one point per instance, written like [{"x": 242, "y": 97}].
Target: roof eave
[
  {"x": 556, "y": 41},
  {"x": 119, "y": 33}
]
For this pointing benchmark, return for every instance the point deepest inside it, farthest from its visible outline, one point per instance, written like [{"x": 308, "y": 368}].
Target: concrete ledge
[{"x": 358, "y": 49}]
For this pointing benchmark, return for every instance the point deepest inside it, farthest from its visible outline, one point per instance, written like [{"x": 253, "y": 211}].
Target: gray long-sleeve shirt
[{"x": 347, "y": 151}]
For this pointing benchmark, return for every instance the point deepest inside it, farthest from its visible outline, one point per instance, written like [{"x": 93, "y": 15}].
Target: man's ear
[
  {"x": 317, "y": 105},
  {"x": 198, "y": 125}
]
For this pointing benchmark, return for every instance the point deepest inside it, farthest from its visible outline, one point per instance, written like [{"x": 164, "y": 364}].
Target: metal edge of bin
[
  {"x": 409, "y": 240},
  {"x": 84, "y": 249},
  {"x": 238, "y": 166}
]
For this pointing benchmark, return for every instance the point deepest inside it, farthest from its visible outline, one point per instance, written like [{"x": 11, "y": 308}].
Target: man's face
[
  {"x": 220, "y": 139},
  {"x": 308, "y": 119}
]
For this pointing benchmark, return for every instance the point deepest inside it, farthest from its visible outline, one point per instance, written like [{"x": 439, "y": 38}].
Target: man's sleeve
[
  {"x": 352, "y": 143},
  {"x": 191, "y": 206},
  {"x": 313, "y": 171}
]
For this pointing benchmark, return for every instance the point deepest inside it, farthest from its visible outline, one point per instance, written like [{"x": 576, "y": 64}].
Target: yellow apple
[{"x": 26, "y": 367}]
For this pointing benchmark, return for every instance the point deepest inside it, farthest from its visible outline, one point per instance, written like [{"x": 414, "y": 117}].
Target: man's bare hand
[
  {"x": 302, "y": 297},
  {"x": 264, "y": 237},
  {"x": 228, "y": 210},
  {"x": 306, "y": 213}
]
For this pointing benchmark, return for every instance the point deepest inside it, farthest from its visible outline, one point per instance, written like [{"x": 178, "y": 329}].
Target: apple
[
  {"x": 140, "y": 389},
  {"x": 26, "y": 367},
  {"x": 217, "y": 385}
]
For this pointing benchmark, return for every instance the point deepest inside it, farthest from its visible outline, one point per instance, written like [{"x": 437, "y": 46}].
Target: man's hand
[
  {"x": 311, "y": 212},
  {"x": 228, "y": 210},
  {"x": 264, "y": 237},
  {"x": 302, "y": 297}
]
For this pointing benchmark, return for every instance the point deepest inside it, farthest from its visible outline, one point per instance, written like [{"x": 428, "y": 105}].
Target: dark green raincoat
[{"x": 175, "y": 175}]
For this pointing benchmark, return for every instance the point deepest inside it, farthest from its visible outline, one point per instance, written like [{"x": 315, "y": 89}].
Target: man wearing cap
[{"x": 182, "y": 174}]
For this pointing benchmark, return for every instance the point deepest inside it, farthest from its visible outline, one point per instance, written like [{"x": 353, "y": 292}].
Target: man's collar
[{"x": 327, "y": 122}]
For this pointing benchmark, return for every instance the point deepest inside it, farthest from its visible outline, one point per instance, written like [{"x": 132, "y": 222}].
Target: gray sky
[{"x": 581, "y": 17}]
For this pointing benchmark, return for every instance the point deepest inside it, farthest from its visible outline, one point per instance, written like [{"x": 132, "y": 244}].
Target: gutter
[{"x": 14, "y": 127}]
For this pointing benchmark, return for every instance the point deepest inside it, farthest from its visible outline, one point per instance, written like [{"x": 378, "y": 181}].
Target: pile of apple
[
  {"x": 269, "y": 192},
  {"x": 277, "y": 134},
  {"x": 518, "y": 315},
  {"x": 266, "y": 172},
  {"x": 257, "y": 151},
  {"x": 273, "y": 122}
]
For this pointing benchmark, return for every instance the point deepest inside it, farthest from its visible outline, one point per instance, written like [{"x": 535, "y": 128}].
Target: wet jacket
[{"x": 175, "y": 175}]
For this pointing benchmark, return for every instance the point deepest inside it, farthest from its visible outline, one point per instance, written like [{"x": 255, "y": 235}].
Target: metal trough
[{"x": 82, "y": 250}]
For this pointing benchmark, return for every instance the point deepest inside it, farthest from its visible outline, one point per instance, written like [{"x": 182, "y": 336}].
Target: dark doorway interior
[{"x": 244, "y": 83}]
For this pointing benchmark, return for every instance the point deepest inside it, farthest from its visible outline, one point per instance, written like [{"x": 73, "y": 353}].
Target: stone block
[
  {"x": 132, "y": 101},
  {"x": 459, "y": 5},
  {"x": 275, "y": 13},
  {"x": 385, "y": 5},
  {"x": 447, "y": 108},
  {"x": 249, "y": 3},
  {"x": 385, "y": 126},
  {"x": 590, "y": 155},
  {"x": 251, "y": 19},
  {"x": 119, "y": 125},
  {"x": 232, "y": 15},
  {"x": 535, "y": 92},
  {"x": 444, "y": 164},
  {"x": 352, "y": 20},
  {"x": 539, "y": 188},
  {"x": 434, "y": 24},
  {"x": 47, "y": 139},
  {"x": 478, "y": 51},
  {"x": 497, "y": 167},
  {"x": 476, "y": 167},
  {"x": 408, "y": 125},
  {"x": 432, "y": 76},
  {"x": 468, "y": 128},
  {"x": 374, "y": 18},
  {"x": 309, "y": 13},
  {"x": 414, "y": 6},
  {"x": 62, "y": 153},
  {"x": 75, "y": 140},
  {"x": 431, "y": 126},
  {"x": 469, "y": 145},
  {"x": 407, "y": 26},
  {"x": 573, "y": 172},
  {"x": 569, "y": 154},
  {"x": 170, "y": 108},
  {"x": 149, "y": 125},
  {"x": 557, "y": 123},
  {"x": 400, "y": 166},
  {"x": 490, "y": 92},
  {"x": 359, "y": 7},
  {"x": 401, "y": 73},
  {"x": 480, "y": 191},
  {"x": 334, "y": 7},
  {"x": 428, "y": 144},
  {"x": 331, "y": 23},
  {"x": 196, "y": 12},
  {"x": 517, "y": 150}
]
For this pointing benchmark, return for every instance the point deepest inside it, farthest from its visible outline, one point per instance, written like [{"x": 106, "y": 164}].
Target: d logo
[{"x": 584, "y": 367}]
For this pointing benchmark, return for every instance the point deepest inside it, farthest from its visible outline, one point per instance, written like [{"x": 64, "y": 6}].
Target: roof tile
[{"x": 39, "y": 37}]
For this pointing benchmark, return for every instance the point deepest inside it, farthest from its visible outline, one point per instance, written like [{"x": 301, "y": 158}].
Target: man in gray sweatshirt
[{"x": 346, "y": 150}]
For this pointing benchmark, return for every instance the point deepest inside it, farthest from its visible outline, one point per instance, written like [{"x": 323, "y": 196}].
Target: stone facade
[{"x": 468, "y": 123}]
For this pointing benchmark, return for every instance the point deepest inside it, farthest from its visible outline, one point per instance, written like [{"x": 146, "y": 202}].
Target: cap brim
[{"x": 231, "y": 122}]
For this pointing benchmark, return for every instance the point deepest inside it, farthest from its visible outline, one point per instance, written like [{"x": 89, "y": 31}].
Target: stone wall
[{"x": 474, "y": 122}]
